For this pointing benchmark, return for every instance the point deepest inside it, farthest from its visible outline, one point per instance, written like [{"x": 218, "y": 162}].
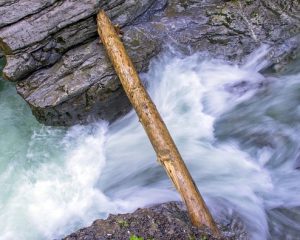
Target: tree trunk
[{"x": 165, "y": 148}]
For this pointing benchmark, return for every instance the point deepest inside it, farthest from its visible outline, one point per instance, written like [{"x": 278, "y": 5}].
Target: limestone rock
[{"x": 53, "y": 54}]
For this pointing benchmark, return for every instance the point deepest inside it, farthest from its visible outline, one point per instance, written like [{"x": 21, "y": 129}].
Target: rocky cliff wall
[{"x": 54, "y": 56}]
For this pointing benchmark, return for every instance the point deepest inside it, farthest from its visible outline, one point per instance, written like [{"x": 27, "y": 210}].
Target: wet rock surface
[
  {"x": 63, "y": 73},
  {"x": 166, "y": 221}
]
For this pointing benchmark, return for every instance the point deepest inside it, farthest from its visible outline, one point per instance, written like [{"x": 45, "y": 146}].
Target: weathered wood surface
[{"x": 165, "y": 148}]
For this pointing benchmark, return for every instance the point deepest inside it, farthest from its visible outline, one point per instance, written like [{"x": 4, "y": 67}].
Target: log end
[{"x": 104, "y": 22}]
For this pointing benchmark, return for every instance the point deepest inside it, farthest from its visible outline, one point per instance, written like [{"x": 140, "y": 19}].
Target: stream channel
[{"x": 237, "y": 130}]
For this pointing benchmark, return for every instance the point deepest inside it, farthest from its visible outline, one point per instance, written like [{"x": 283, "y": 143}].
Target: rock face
[
  {"x": 60, "y": 69},
  {"x": 167, "y": 221}
]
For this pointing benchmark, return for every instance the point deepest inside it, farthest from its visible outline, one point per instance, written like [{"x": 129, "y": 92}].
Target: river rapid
[{"x": 236, "y": 129}]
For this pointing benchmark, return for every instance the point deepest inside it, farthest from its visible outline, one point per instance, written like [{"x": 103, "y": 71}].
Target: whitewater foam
[{"x": 62, "y": 179}]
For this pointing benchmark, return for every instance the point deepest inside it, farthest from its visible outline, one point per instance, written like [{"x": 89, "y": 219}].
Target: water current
[{"x": 236, "y": 129}]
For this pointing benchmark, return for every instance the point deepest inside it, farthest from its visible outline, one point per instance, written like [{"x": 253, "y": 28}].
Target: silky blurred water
[{"x": 236, "y": 130}]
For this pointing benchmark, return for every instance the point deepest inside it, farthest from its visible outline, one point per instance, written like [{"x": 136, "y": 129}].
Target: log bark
[{"x": 165, "y": 148}]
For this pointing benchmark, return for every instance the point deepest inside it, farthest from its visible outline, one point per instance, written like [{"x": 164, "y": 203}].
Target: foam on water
[{"x": 55, "y": 180}]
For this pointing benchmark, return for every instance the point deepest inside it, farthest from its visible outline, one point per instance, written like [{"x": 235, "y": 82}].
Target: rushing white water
[{"x": 236, "y": 130}]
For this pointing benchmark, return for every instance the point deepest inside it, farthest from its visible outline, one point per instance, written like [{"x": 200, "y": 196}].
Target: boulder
[{"x": 166, "y": 221}]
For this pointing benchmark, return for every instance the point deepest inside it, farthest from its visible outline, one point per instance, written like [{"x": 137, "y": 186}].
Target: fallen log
[{"x": 162, "y": 142}]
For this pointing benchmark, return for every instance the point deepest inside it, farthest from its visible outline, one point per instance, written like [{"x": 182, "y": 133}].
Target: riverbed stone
[
  {"x": 166, "y": 221},
  {"x": 63, "y": 73}
]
